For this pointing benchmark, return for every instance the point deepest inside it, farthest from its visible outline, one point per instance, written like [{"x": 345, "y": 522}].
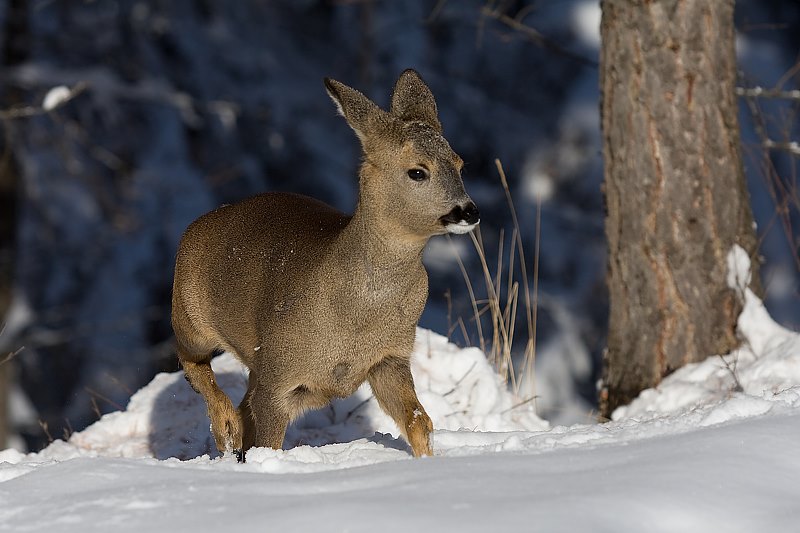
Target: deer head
[{"x": 411, "y": 184}]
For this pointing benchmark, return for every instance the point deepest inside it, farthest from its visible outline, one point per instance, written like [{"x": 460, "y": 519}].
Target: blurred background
[{"x": 176, "y": 106}]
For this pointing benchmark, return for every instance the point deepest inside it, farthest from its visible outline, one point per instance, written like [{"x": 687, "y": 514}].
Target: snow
[
  {"x": 586, "y": 22},
  {"x": 55, "y": 97},
  {"x": 712, "y": 448}
]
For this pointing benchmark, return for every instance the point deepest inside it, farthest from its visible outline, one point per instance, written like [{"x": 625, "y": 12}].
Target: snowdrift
[
  {"x": 712, "y": 448},
  {"x": 472, "y": 410},
  {"x": 167, "y": 419}
]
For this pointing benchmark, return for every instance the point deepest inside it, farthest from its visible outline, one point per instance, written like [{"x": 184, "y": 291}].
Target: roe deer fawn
[{"x": 313, "y": 301}]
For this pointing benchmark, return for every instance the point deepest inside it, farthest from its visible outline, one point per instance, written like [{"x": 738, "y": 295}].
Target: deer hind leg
[
  {"x": 393, "y": 387},
  {"x": 246, "y": 416},
  {"x": 225, "y": 423}
]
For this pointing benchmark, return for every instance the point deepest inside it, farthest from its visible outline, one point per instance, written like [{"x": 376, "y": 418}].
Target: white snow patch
[
  {"x": 738, "y": 269},
  {"x": 442, "y": 254},
  {"x": 538, "y": 185},
  {"x": 55, "y": 97},
  {"x": 586, "y": 22}
]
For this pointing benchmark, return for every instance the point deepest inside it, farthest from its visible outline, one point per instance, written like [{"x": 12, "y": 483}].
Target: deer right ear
[
  {"x": 413, "y": 100},
  {"x": 360, "y": 112}
]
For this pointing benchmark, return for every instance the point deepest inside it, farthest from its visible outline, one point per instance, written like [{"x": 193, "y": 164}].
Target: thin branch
[
  {"x": 437, "y": 9},
  {"x": 516, "y": 24},
  {"x": 357, "y": 407},
  {"x": 32, "y": 111},
  {"x": 94, "y": 394},
  {"x": 462, "y": 378},
  {"x": 471, "y": 295},
  {"x": 520, "y": 404},
  {"x": 760, "y": 92},
  {"x": 11, "y": 355},
  {"x": 737, "y": 385},
  {"x": 793, "y": 147}
]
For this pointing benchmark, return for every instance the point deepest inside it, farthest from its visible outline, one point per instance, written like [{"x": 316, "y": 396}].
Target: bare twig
[
  {"x": 461, "y": 379},
  {"x": 11, "y": 355},
  {"x": 792, "y": 147},
  {"x": 68, "y": 430},
  {"x": 534, "y": 35},
  {"x": 437, "y": 9},
  {"x": 471, "y": 295},
  {"x": 530, "y": 357},
  {"x": 357, "y": 407},
  {"x": 46, "y": 429},
  {"x": 94, "y": 394},
  {"x": 784, "y": 193},
  {"x": 95, "y": 408},
  {"x": 737, "y": 385},
  {"x": 32, "y": 111},
  {"x": 760, "y": 92},
  {"x": 520, "y": 404},
  {"x": 463, "y": 329}
]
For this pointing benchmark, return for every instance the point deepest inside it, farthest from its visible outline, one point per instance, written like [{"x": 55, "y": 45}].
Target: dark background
[{"x": 193, "y": 103}]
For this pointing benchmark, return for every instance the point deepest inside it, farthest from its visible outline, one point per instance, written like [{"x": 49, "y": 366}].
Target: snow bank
[
  {"x": 474, "y": 414},
  {"x": 762, "y": 376},
  {"x": 167, "y": 419},
  {"x": 713, "y": 448}
]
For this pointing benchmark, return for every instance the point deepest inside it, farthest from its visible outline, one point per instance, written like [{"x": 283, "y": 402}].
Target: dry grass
[{"x": 500, "y": 305}]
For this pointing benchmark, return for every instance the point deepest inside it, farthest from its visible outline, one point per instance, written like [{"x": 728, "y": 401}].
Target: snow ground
[{"x": 713, "y": 448}]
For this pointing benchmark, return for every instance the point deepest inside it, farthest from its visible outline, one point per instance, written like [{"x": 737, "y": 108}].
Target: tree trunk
[
  {"x": 8, "y": 217},
  {"x": 675, "y": 191},
  {"x": 14, "y": 51}
]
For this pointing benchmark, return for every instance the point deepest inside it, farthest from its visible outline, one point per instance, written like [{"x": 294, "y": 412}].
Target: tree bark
[
  {"x": 14, "y": 51},
  {"x": 675, "y": 192}
]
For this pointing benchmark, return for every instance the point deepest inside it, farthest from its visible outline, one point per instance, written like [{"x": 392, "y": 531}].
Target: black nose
[{"x": 470, "y": 213}]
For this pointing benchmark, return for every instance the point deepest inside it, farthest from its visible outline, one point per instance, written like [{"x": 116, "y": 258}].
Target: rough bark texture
[
  {"x": 8, "y": 217},
  {"x": 675, "y": 191},
  {"x": 15, "y": 44}
]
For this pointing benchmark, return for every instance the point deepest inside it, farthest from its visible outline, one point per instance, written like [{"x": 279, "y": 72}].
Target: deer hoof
[{"x": 240, "y": 456}]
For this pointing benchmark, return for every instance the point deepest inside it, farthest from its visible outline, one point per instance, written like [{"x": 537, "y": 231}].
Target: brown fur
[{"x": 315, "y": 302}]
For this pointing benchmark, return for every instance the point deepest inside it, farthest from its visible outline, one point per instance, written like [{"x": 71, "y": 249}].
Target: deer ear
[
  {"x": 361, "y": 113},
  {"x": 413, "y": 100}
]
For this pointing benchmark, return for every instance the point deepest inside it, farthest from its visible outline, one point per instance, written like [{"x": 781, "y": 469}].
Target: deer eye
[{"x": 418, "y": 174}]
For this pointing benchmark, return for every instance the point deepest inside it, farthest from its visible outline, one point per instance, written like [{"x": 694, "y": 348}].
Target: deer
[{"x": 315, "y": 302}]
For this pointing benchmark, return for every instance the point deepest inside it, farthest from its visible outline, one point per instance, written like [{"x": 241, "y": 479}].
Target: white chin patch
[{"x": 461, "y": 227}]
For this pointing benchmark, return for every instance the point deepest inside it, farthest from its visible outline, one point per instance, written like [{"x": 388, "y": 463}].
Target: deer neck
[
  {"x": 380, "y": 246},
  {"x": 377, "y": 249}
]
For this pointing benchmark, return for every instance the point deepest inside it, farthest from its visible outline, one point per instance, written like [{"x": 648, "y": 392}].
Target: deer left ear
[
  {"x": 413, "y": 100},
  {"x": 361, "y": 113}
]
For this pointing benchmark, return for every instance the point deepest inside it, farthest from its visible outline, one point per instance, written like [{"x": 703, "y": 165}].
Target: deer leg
[
  {"x": 246, "y": 416},
  {"x": 393, "y": 387},
  {"x": 270, "y": 418},
  {"x": 225, "y": 423}
]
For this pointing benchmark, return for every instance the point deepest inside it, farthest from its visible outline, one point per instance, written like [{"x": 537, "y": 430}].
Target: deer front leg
[
  {"x": 225, "y": 423},
  {"x": 269, "y": 415},
  {"x": 393, "y": 387},
  {"x": 246, "y": 416}
]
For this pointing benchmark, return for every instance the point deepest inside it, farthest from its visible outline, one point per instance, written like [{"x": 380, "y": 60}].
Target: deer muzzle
[{"x": 462, "y": 219}]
